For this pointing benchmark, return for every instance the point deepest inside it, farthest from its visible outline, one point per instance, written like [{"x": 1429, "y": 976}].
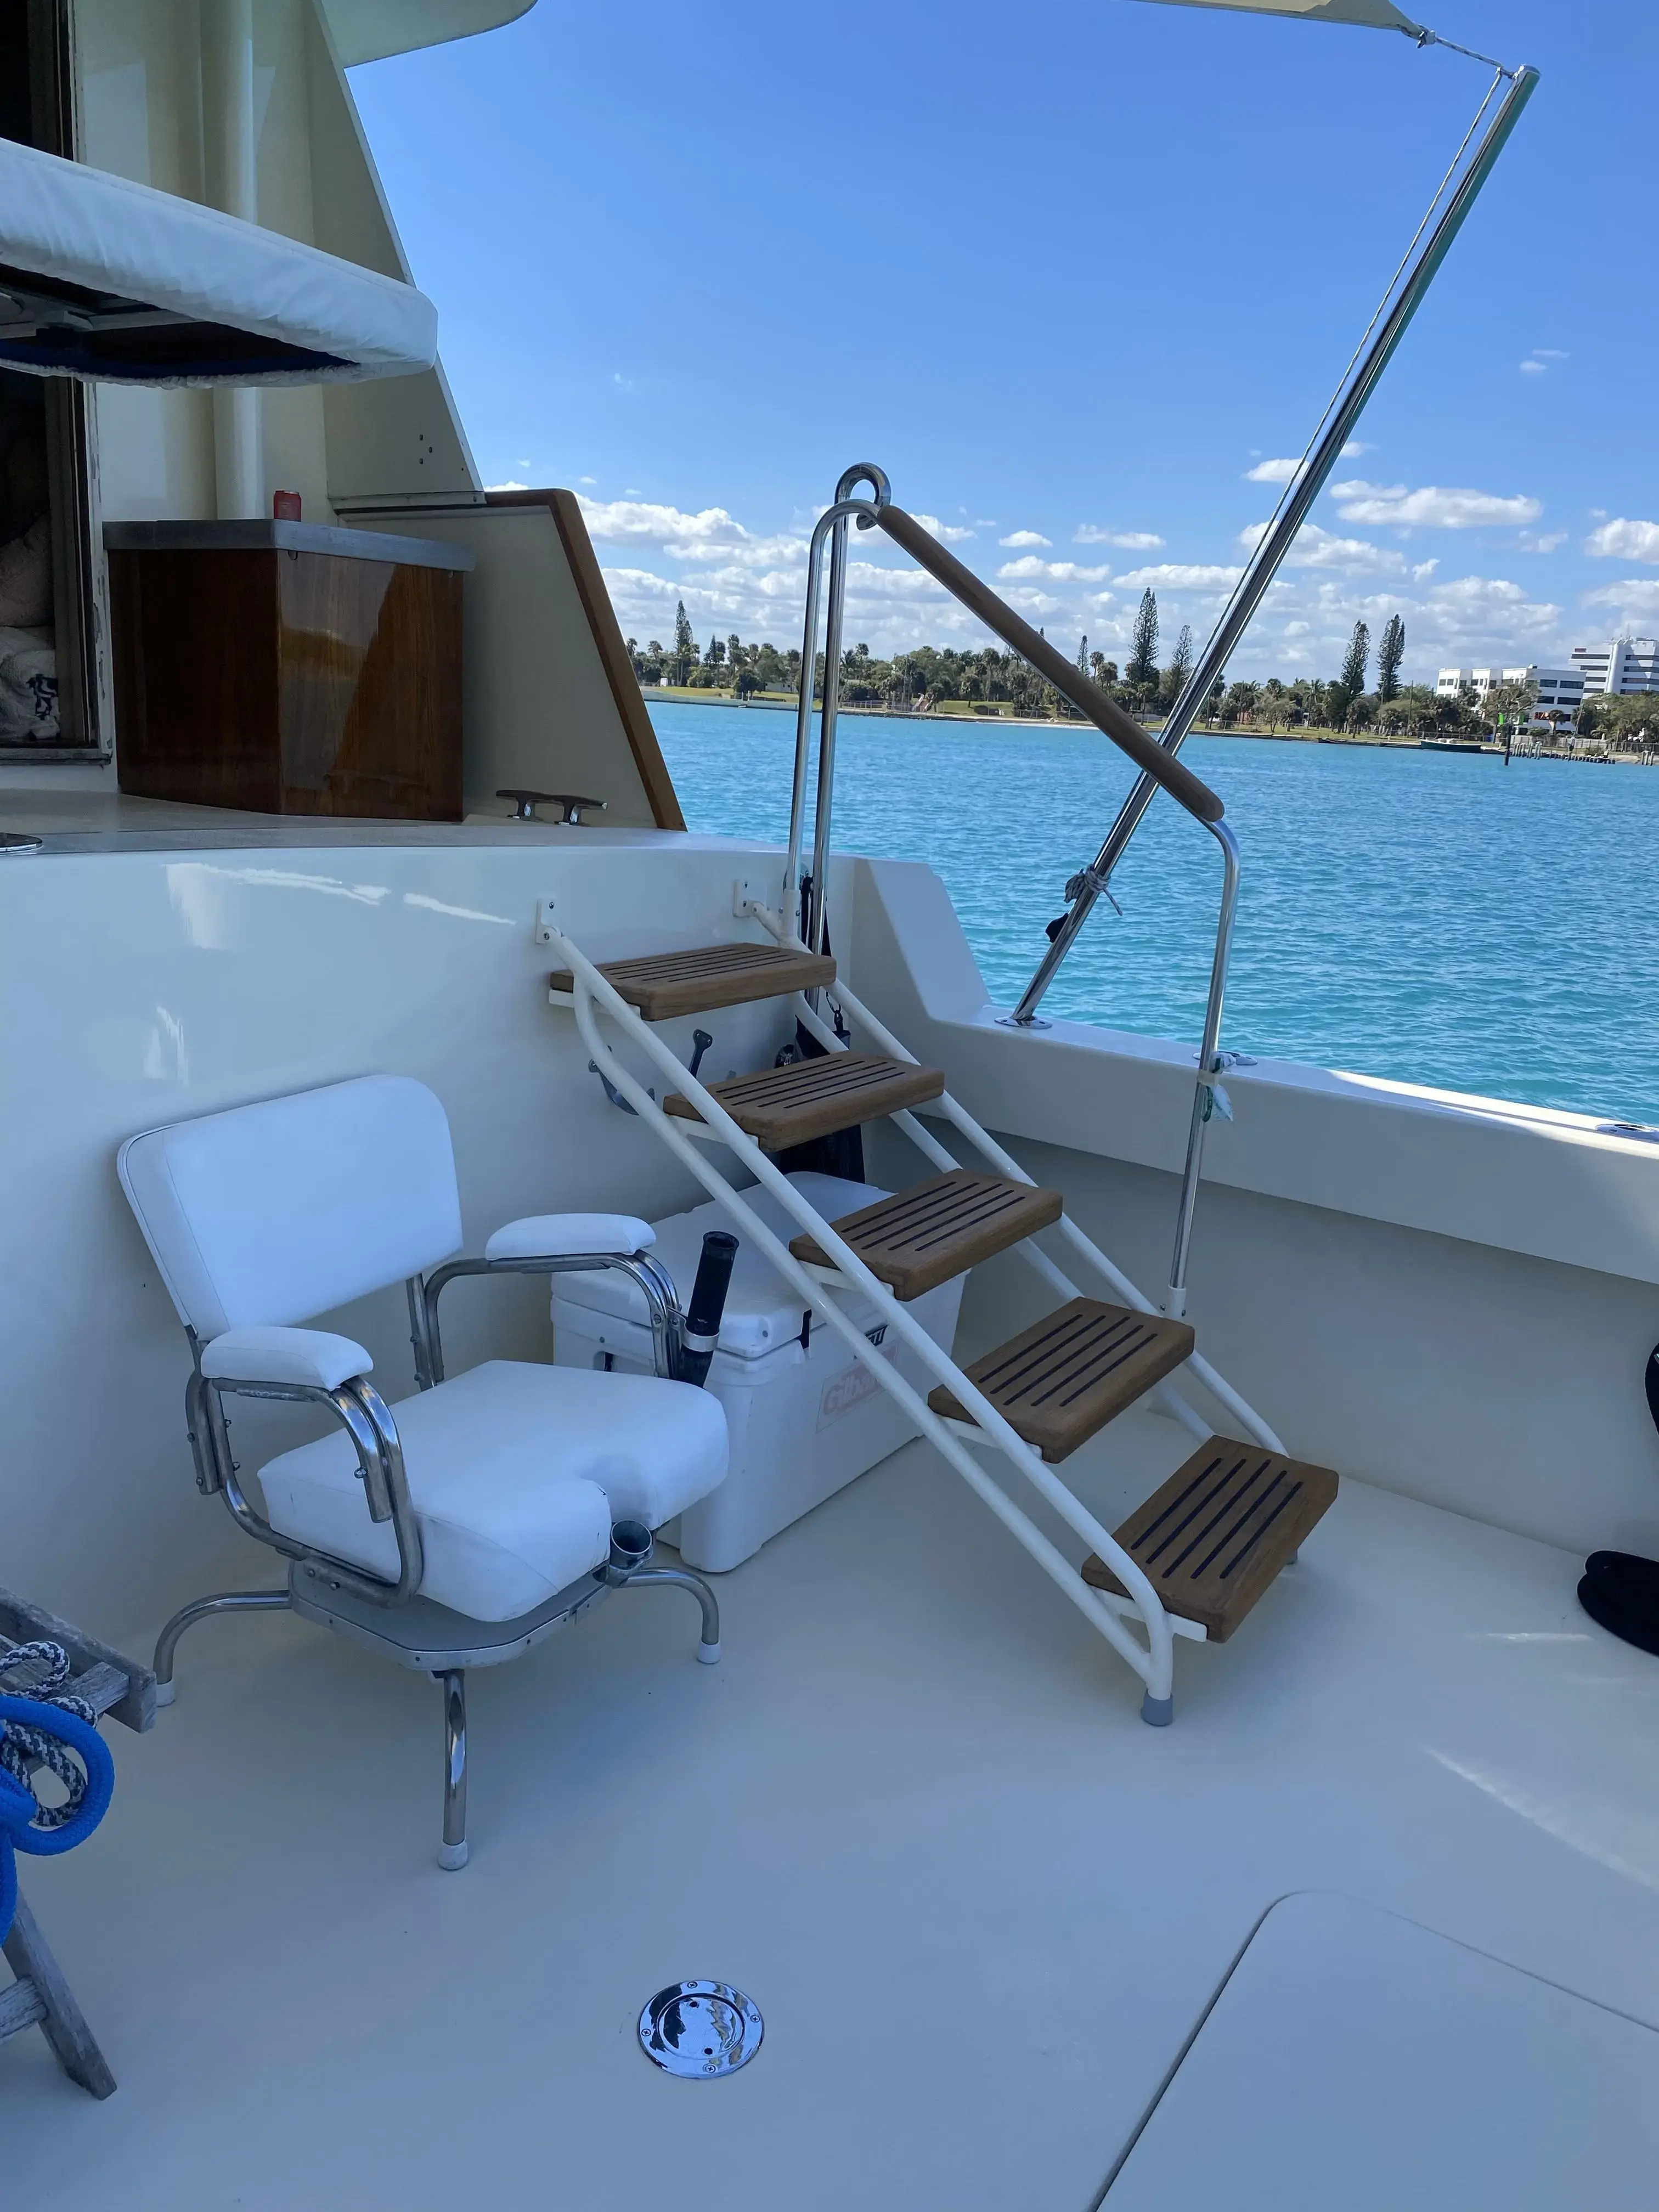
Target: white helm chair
[{"x": 461, "y": 1526}]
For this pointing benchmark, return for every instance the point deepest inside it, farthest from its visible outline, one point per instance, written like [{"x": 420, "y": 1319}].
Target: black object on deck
[{"x": 703, "y": 1321}]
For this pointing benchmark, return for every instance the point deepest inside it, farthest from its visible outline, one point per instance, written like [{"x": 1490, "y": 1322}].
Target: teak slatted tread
[
  {"x": 1060, "y": 1381},
  {"x": 660, "y": 985},
  {"x": 922, "y": 1236},
  {"x": 1213, "y": 1540},
  {"x": 807, "y": 1098}
]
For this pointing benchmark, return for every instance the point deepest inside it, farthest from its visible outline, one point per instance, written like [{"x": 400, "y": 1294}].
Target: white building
[
  {"x": 1557, "y": 691},
  {"x": 1628, "y": 663}
]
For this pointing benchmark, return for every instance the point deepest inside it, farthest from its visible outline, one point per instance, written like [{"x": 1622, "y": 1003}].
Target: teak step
[
  {"x": 660, "y": 985},
  {"x": 922, "y": 1236},
  {"x": 1214, "y": 1537},
  {"x": 807, "y": 1098},
  {"x": 1058, "y": 1381}
]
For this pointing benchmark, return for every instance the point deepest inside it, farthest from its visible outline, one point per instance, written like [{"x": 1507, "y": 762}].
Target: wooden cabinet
[{"x": 288, "y": 668}]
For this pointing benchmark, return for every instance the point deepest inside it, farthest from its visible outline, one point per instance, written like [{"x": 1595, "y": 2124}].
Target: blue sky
[{"x": 1070, "y": 274}]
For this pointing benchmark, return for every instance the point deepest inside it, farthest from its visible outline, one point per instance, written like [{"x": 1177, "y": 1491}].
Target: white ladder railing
[{"x": 593, "y": 996}]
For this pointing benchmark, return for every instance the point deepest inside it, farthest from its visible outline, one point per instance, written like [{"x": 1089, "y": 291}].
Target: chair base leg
[
  {"x": 231, "y": 1601},
  {"x": 708, "y": 1650},
  {"x": 452, "y": 1852}
]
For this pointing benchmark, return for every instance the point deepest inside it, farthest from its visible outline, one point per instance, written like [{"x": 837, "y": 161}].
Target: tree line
[{"x": 991, "y": 680}]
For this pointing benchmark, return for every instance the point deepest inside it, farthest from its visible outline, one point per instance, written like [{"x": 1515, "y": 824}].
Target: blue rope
[{"x": 28, "y": 1826}]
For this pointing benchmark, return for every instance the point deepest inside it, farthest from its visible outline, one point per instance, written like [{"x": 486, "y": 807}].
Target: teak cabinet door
[{"x": 288, "y": 683}]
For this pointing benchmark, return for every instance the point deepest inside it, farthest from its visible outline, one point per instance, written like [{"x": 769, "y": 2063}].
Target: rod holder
[
  {"x": 631, "y": 1545},
  {"x": 701, "y": 1332}
]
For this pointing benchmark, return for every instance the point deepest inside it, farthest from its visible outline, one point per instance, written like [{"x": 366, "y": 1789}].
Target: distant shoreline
[{"x": 788, "y": 704}]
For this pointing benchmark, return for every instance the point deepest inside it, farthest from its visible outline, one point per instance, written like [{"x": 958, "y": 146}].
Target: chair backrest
[{"x": 273, "y": 1214}]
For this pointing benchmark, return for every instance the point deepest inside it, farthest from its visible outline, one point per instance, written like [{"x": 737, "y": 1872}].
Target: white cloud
[
  {"x": 1434, "y": 507},
  {"x": 1541, "y": 541},
  {"x": 1132, "y": 541},
  {"x": 1057, "y": 571},
  {"x": 512, "y": 484},
  {"x": 1319, "y": 548},
  {"x": 732, "y": 576},
  {"x": 1534, "y": 367},
  {"x": 643, "y": 522},
  {"x": 587, "y": 480},
  {"x": 947, "y": 530},
  {"x": 1033, "y": 603},
  {"x": 1017, "y": 538},
  {"x": 1637, "y": 601},
  {"x": 1624, "y": 540},
  {"x": 1179, "y": 576},
  {"x": 1282, "y": 472},
  {"x": 1354, "y": 556},
  {"x": 1538, "y": 361}
]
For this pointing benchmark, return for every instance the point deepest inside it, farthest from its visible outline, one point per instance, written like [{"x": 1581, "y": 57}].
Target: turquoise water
[{"x": 1435, "y": 918}]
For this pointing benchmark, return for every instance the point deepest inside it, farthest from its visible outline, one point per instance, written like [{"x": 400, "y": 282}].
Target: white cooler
[{"x": 804, "y": 1416}]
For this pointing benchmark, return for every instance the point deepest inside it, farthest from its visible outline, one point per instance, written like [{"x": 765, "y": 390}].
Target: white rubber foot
[
  {"x": 452, "y": 1857},
  {"x": 709, "y": 1654},
  {"x": 164, "y": 1692}
]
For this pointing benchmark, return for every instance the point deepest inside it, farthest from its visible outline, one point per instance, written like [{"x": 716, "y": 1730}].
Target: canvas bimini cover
[
  {"x": 1375, "y": 15},
  {"x": 103, "y": 278}
]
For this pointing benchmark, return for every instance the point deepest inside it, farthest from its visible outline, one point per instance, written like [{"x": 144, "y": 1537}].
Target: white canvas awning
[
  {"x": 1374, "y": 15},
  {"x": 369, "y": 30},
  {"x": 105, "y": 279}
]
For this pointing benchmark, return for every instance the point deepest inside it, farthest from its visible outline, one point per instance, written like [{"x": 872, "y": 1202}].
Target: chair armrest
[
  {"x": 571, "y": 1236},
  {"x": 308, "y": 1358}
]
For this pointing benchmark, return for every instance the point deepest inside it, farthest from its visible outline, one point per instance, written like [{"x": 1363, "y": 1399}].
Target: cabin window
[{"x": 49, "y": 692}]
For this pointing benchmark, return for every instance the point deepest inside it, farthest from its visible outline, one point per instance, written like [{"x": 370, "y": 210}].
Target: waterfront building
[
  {"x": 1558, "y": 693},
  {"x": 1628, "y": 664}
]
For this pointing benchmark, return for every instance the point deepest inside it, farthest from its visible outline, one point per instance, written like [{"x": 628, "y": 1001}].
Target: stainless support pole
[
  {"x": 824, "y": 803},
  {"x": 708, "y": 1650},
  {"x": 231, "y": 1601},
  {"x": 831, "y": 525},
  {"x": 1270, "y": 554},
  {"x": 1209, "y": 1066},
  {"x": 452, "y": 1852}
]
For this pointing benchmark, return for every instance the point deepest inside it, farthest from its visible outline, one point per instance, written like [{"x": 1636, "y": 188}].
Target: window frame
[{"x": 80, "y": 577}]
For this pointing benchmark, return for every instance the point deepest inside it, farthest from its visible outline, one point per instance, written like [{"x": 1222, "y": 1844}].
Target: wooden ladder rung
[
  {"x": 660, "y": 985},
  {"x": 1063, "y": 1379},
  {"x": 1217, "y": 1533},
  {"x": 806, "y": 1098},
  {"x": 922, "y": 1236}
]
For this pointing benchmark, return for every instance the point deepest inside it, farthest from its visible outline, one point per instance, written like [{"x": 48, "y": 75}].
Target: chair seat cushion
[{"x": 516, "y": 1472}]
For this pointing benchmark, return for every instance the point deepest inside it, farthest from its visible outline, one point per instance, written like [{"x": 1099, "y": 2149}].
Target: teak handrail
[{"x": 997, "y": 616}]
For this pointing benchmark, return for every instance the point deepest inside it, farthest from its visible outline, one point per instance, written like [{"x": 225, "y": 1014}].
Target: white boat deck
[
  {"x": 81, "y": 821},
  {"x": 914, "y": 1814}
]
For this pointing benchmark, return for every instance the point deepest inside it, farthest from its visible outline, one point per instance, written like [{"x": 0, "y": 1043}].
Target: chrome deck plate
[{"x": 701, "y": 2030}]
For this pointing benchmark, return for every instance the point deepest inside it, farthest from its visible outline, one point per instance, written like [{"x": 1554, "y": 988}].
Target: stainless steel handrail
[
  {"x": 1187, "y": 789},
  {"x": 1087, "y": 885},
  {"x": 1160, "y": 769},
  {"x": 1209, "y": 1064}
]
